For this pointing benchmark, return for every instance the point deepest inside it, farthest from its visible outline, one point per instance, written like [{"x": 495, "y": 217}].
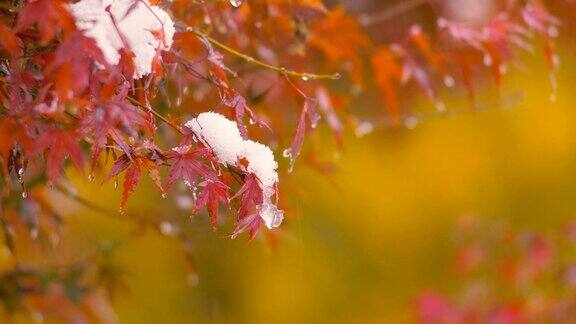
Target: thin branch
[
  {"x": 155, "y": 113},
  {"x": 251, "y": 59},
  {"x": 395, "y": 10},
  {"x": 83, "y": 201}
]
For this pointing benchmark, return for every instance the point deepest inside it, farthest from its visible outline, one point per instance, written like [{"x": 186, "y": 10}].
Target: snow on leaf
[
  {"x": 223, "y": 138},
  {"x": 134, "y": 25}
]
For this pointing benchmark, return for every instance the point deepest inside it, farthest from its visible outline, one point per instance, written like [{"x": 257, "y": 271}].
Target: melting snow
[{"x": 223, "y": 137}]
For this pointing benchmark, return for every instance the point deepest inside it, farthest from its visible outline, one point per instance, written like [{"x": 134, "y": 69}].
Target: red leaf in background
[
  {"x": 8, "y": 40},
  {"x": 59, "y": 144},
  {"x": 73, "y": 64},
  {"x": 327, "y": 108},
  {"x": 50, "y": 16},
  {"x": 110, "y": 119},
  {"x": 388, "y": 73},
  {"x": 468, "y": 77},
  {"x": 422, "y": 43},
  {"x": 187, "y": 165},
  {"x": 310, "y": 113},
  {"x": 339, "y": 37},
  {"x": 213, "y": 193},
  {"x": 434, "y": 308}
]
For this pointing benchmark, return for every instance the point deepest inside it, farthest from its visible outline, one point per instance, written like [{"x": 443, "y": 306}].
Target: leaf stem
[{"x": 251, "y": 59}]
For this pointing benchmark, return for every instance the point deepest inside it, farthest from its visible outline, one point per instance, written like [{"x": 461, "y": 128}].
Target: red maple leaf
[
  {"x": 187, "y": 165},
  {"x": 57, "y": 145},
  {"x": 213, "y": 193}
]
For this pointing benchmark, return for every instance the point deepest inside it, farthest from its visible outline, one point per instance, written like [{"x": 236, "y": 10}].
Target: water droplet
[
  {"x": 305, "y": 77},
  {"x": 251, "y": 121},
  {"x": 553, "y": 31},
  {"x": 287, "y": 153},
  {"x": 20, "y": 172},
  {"x": 192, "y": 279},
  {"x": 163, "y": 195},
  {"x": 24, "y": 194},
  {"x": 34, "y": 232},
  {"x": 411, "y": 122},
  {"x": 115, "y": 184},
  {"x": 487, "y": 59},
  {"x": 236, "y": 3},
  {"x": 335, "y": 76},
  {"x": 168, "y": 229},
  {"x": 449, "y": 81},
  {"x": 364, "y": 129},
  {"x": 91, "y": 177},
  {"x": 440, "y": 106}
]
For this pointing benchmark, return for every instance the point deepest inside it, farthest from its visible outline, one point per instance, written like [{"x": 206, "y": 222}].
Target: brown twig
[
  {"x": 251, "y": 59},
  {"x": 155, "y": 113}
]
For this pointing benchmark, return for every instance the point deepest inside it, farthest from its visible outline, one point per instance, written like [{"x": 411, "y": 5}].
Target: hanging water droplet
[
  {"x": 487, "y": 59},
  {"x": 236, "y": 3},
  {"x": 287, "y": 153},
  {"x": 168, "y": 229},
  {"x": 24, "y": 194},
  {"x": 91, "y": 177},
  {"x": 20, "y": 172},
  {"x": 192, "y": 279},
  {"x": 449, "y": 81},
  {"x": 553, "y": 31},
  {"x": 364, "y": 129},
  {"x": 411, "y": 122},
  {"x": 440, "y": 106},
  {"x": 207, "y": 20},
  {"x": 34, "y": 232}
]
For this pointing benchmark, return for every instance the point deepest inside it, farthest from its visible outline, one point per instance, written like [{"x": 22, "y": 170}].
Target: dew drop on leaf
[
  {"x": 287, "y": 153},
  {"x": 168, "y": 229},
  {"x": 487, "y": 59},
  {"x": 236, "y": 3},
  {"x": 449, "y": 81},
  {"x": 192, "y": 279},
  {"x": 411, "y": 122}
]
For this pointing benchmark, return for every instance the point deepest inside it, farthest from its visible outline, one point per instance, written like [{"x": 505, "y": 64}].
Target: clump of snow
[
  {"x": 144, "y": 28},
  {"x": 223, "y": 136}
]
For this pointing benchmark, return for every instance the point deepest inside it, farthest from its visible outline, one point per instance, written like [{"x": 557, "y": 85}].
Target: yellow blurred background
[{"x": 359, "y": 245}]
